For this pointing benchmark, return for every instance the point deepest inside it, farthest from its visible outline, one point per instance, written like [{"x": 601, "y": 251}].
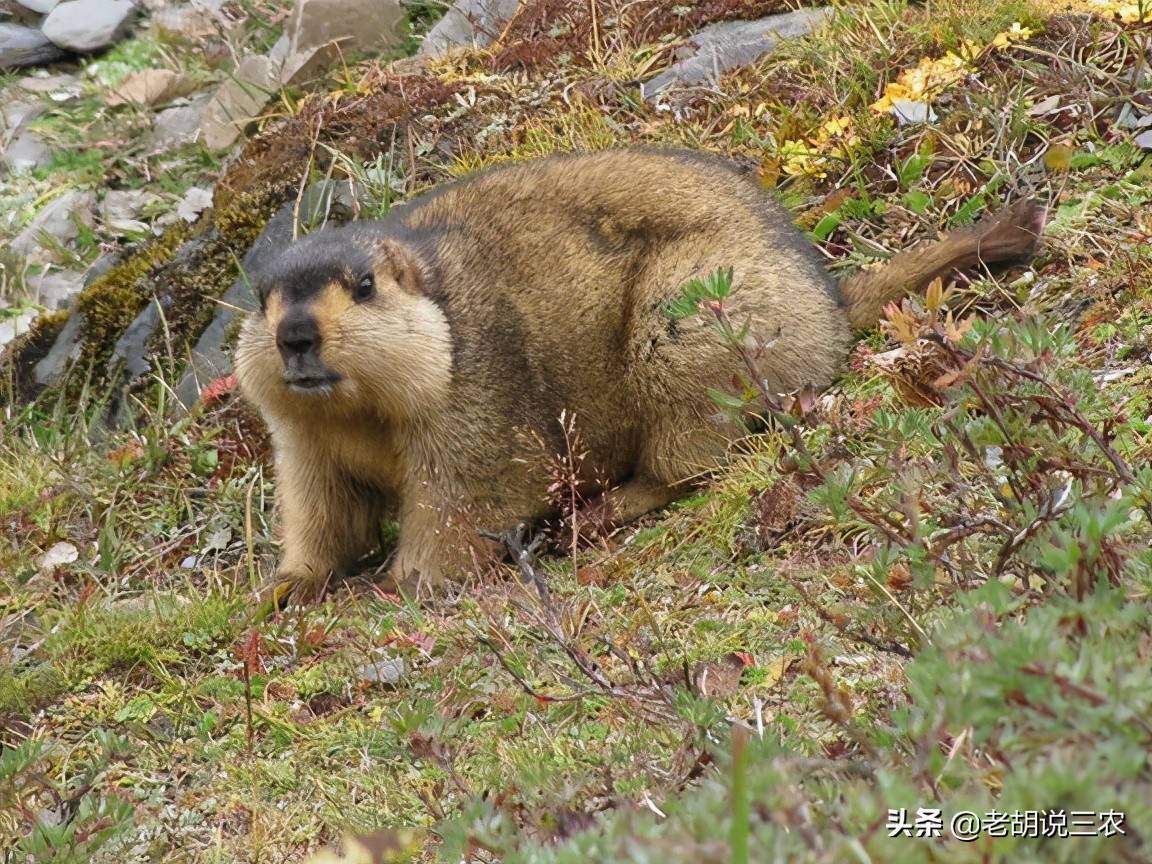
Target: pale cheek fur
[
  {"x": 258, "y": 367},
  {"x": 401, "y": 358}
]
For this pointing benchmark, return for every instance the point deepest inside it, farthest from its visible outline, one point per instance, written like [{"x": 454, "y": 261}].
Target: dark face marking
[{"x": 308, "y": 267}]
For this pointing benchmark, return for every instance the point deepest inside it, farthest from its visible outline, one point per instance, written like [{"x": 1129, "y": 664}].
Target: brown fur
[{"x": 505, "y": 298}]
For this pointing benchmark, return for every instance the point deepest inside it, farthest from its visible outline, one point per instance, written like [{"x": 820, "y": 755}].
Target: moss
[
  {"x": 111, "y": 302},
  {"x": 22, "y": 355}
]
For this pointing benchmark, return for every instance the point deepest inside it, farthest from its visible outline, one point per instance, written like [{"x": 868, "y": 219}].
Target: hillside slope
[{"x": 932, "y": 593}]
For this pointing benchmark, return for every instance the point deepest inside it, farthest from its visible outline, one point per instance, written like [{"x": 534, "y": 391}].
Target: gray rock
[
  {"x": 55, "y": 290},
  {"x": 25, "y": 152},
  {"x": 59, "y": 88},
  {"x": 334, "y": 26},
  {"x": 57, "y": 219},
  {"x": 43, "y": 7},
  {"x": 174, "y": 127},
  {"x": 102, "y": 265},
  {"x": 17, "y": 115},
  {"x": 238, "y": 100},
  {"x": 25, "y": 46},
  {"x": 386, "y": 670},
  {"x": 11, "y": 327},
  {"x": 132, "y": 348},
  {"x": 88, "y": 25},
  {"x": 133, "y": 351},
  {"x": 63, "y": 354},
  {"x": 468, "y": 24},
  {"x": 727, "y": 45},
  {"x": 124, "y": 205},
  {"x": 210, "y": 356}
]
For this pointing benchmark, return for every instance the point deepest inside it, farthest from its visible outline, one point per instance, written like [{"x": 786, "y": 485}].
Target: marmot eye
[{"x": 364, "y": 290}]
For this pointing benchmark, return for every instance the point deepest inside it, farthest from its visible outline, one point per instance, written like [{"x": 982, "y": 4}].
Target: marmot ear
[{"x": 401, "y": 264}]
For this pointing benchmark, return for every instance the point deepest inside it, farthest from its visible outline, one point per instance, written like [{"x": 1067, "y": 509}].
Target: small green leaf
[
  {"x": 826, "y": 226},
  {"x": 966, "y": 215},
  {"x": 917, "y": 201},
  {"x": 726, "y": 400}
]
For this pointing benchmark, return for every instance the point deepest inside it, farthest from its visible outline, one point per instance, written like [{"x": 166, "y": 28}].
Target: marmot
[{"x": 417, "y": 366}]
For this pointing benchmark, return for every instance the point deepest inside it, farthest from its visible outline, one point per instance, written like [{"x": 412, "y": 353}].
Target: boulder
[
  {"x": 88, "y": 25},
  {"x": 25, "y": 46},
  {"x": 41, "y": 7},
  {"x": 727, "y": 45}
]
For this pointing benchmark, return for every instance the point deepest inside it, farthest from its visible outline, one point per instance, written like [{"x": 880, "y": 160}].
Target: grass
[{"x": 936, "y": 596}]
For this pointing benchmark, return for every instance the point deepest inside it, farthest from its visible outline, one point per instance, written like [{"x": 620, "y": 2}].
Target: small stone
[
  {"x": 1049, "y": 105},
  {"x": 727, "y": 45},
  {"x": 187, "y": 22},
  {"x": 58, "y": 219},
  {"x": 58, "y": 555},
  {"x": 88, "y": 25},
  {"x": 909, "y": 112},
  {"x": 58, "y": 87},
  {"x": 196, "y": 200},
  {"x": 238, "y": 100},
  {"x": 55, "y": 290},
  {"x": 386, "y": 670},
  {"x": 174, "y": 127},
  {"x": 17, "y": 115},
  {"x": 155, "y": 601},
  {"x": 125, "y": 204},
  {"x": 25, "y": 46},
  {"x": 17, "y": 325},
  {"x": 26, "y": 152},
  {"x": 338, "y": 26}
]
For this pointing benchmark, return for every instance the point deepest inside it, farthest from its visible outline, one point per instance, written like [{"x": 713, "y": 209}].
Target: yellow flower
[
  {"x": 1016, "y": 33},
  {"x": 810, "y": 157},
  {"x": 1129, "y": 13}
]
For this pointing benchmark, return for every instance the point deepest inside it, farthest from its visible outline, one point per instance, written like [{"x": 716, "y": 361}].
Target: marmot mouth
[{"x": 319, "y": 384}]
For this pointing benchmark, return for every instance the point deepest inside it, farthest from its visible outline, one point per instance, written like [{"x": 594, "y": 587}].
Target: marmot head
[{"x": 345, "y": 326}]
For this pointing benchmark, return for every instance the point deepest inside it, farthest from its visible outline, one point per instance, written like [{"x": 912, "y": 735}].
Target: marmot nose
[{"x": 296, "y": 337}]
